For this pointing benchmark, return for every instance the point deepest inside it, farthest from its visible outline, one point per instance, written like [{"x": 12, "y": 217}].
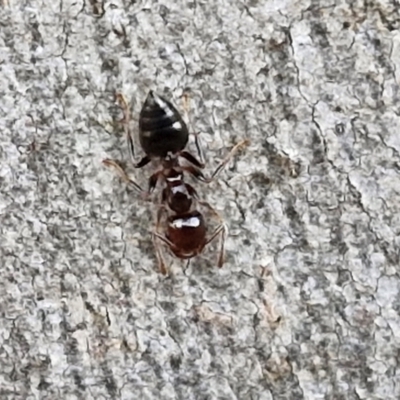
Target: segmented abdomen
[{"x": 162, "y": 129}]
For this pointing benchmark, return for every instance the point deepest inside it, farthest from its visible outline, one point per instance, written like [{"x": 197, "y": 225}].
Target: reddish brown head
[{"x": 187, "y": 232}]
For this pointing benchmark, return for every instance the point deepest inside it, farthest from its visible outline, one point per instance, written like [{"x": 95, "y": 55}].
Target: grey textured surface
[{"x": 307, "y": 305}]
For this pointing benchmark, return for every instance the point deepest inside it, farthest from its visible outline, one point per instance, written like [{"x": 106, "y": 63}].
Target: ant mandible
[{"x": 163, "y": 136}]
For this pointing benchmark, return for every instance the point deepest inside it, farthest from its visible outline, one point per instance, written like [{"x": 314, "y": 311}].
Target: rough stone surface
[{"x": 307, "y": 305}]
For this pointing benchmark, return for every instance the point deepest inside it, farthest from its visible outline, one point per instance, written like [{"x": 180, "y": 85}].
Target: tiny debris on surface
[{"x": 306, "y": 306}]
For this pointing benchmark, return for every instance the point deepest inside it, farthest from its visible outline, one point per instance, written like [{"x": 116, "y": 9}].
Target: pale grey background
[{"x": 307, "y": 305}]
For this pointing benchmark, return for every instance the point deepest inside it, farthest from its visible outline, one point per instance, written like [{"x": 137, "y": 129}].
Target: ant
[{"x": 163, "y": 136}]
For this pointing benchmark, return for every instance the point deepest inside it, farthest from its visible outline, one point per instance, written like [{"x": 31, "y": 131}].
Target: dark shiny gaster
[{"x": 162, "y": 130}]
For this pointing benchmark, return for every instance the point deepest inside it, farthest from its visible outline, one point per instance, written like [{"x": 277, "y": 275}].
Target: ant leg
[
  {"x": 130, "y": 182},
  {"x": 227, "y": 158},
  {"x": 192, "y": 159},
  {"x": 220, "y": 230},
  {"x": 157, "y": 246},
  {"x": 144, "y": 161},
  {"x": 153, "y": 181},
  {"x": 197, "y": 142},
  {"x": 120, "y": 171},
  {"x": 164, "y": 239},
  {"x": 159, "y": 254},
  {"x": 199, "y": 174},
  {"x": 125, "y": 121},
  {"x": 196, "y": 172}
]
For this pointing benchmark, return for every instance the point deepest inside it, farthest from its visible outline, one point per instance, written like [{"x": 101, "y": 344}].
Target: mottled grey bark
[{"x": 307, "y": 305}]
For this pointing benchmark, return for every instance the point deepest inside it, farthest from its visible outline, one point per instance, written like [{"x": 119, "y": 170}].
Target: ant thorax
[{"x": 177, "y": 193}]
